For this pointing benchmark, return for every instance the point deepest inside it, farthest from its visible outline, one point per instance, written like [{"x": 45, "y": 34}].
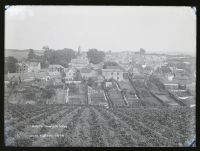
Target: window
[
  {"x": 111, "y": 73},
  {"x": 117, "y": 73},
  {"x": 117, "y": 78}
]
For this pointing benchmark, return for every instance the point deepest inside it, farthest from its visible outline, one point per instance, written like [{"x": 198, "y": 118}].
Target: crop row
[
  {"x": 51, "y": 117},
  {"x": 152, "y": 136},
  {"x": 126, "y": 135}
]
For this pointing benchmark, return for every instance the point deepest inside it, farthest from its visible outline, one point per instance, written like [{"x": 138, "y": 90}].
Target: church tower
[{"x": 79, "y": 50}]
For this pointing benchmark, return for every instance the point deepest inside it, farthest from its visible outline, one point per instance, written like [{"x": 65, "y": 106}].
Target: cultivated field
[{"x": 97, "y": 126}]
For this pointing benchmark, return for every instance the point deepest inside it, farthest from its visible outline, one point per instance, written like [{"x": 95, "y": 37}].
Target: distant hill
[{"x": 21, "y": 54}]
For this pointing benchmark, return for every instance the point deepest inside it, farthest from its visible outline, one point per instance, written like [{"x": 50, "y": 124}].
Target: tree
[
  {"x": 95, "y": 56},
  {"x": 142, "y": 51},
  {"x": 91, "y": 82},
  {"x": 48, "y": 93},
  {"x": 31, "y": 55},
  {"x": 47, "y": 54},
  {"x": 10, "y": 64},
  {"x": 45, "y": 47},
  {"x": 61, "y": 57}
]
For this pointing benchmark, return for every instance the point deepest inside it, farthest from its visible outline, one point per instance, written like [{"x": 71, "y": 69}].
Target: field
[{"x": 30, "y": 125}]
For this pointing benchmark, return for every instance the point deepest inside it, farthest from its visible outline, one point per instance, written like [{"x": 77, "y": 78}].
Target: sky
[{"x": 158, "y": 29}]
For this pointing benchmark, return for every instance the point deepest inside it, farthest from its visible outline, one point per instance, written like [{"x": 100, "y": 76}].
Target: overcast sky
[{"x": 115, "y": 28}]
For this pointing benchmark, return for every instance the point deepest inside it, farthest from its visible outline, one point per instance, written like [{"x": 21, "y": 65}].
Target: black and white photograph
[{"x": 99, "y": 76}]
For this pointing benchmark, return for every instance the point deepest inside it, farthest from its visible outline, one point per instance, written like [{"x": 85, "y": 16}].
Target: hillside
[{"x": 21, "y": 54}]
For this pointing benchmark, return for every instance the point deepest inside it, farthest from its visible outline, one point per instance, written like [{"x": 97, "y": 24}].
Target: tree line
[{"x": 61, "y": 57}]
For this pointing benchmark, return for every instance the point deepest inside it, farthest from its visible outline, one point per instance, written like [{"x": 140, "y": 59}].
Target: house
[
  {"x": 79, "y": 63},
  {"x": 100, "y": 78},
  {"x": 24, "y": 67},
  {"x": 124, "y": 58},
  {"x": 181, "y": 74},
  {"x": 70, "y": 74},
  {"x": 133, "y": 70},
  {"x": 95, "y": 66},
  {"x": 6, "y": 79},
  {"x": 114, "y": 72},
  {"x": 34, "y": 66},
  {"x": 56, "y": 67},
  {"x": 146, "y": 70},
  {"x": 54, "y": 74},
  {"x": 108, "y": 84},
  {"x": 153, "y": 60},
  {"x": 170, "y": 77},
  {"x": 87, "y": 73},
  {"x": 21, "y": 67},
  {"x": 43, "y": 76}
]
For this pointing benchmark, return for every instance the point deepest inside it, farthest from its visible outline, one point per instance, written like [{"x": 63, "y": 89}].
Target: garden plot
[
  {"x": 129, "y": 93},
  {"x": 167, "y": 99},
  {"x": 96, "y": 96},
  {"x": 185, "y": 97},
  {"x": 76, "y": 94},
  {"x": 98, "y": 99},
  {"x": 116, "y": 97},
  {"x": 151, "y": 101},
  {"x": 126, "y": 85},
  {"x": 147, "y": 98}
]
